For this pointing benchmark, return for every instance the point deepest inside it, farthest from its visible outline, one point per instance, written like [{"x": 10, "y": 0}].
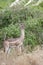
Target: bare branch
[
  {"x": 28, "y": 2},
  {"x": 14, "y": 3},
  {"x": 39, "y": 1}
]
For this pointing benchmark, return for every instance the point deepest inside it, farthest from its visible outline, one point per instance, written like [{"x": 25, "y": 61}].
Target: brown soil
[{"x": 34, "y": 58}]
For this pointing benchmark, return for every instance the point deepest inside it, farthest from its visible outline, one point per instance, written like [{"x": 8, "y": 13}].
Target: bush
[
  {"x": 41, "y": 4},
  {"x": 33, "y": 20}
]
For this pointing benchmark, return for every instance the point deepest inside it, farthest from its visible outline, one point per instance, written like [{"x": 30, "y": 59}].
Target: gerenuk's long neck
[{"x": 22, "y": 34}]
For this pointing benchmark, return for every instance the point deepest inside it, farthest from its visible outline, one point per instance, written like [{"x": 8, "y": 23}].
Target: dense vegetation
[
  {"x": 31, "y": 16},
  {"x": 5, "y": 3}
]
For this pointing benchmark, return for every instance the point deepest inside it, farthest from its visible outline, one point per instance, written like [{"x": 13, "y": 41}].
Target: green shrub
[
  {"x": 33, "y": 20},
  {"x": 41, "y": 4}
]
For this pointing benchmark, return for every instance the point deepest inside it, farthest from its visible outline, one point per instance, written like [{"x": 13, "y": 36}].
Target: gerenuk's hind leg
[{"x": 6, "y": 50}]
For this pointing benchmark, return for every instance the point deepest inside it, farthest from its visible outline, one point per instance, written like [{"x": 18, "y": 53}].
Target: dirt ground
[{"x": 34, "y": 58}]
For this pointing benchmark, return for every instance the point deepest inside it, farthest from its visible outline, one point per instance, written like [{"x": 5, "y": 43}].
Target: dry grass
[{"x": 34, "y": 58}]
